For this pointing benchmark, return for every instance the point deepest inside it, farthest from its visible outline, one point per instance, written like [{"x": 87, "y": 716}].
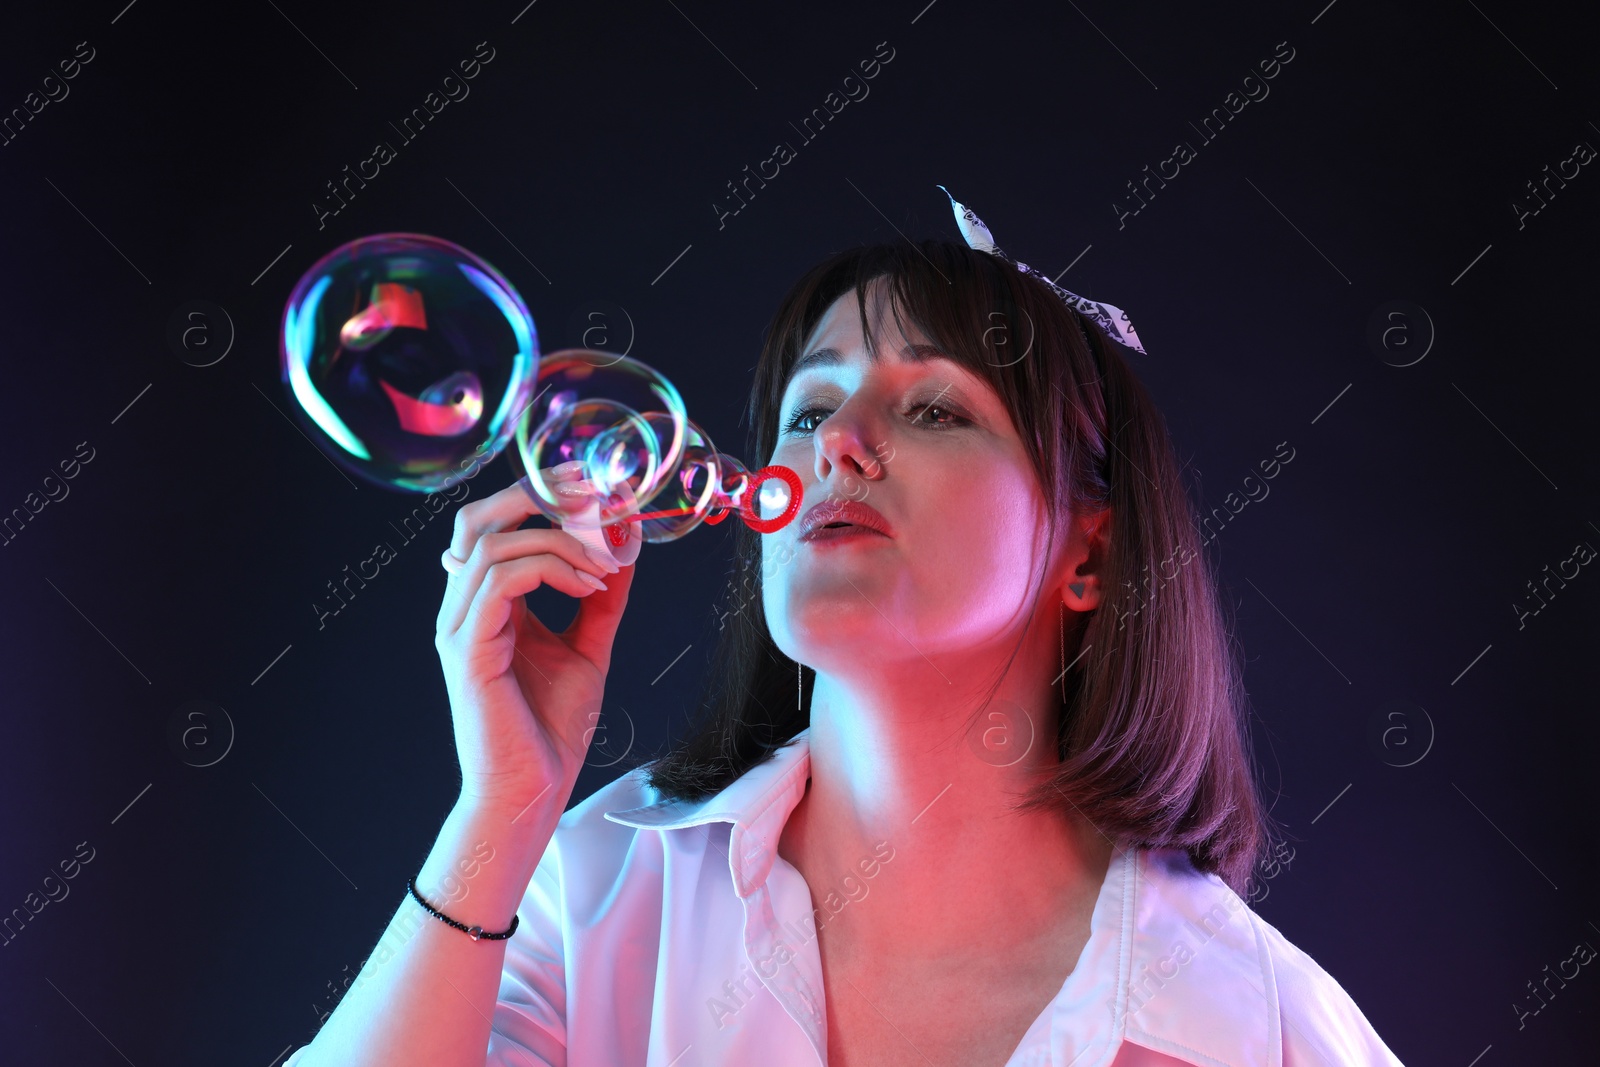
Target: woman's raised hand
[{"x": 525, "y": 701}]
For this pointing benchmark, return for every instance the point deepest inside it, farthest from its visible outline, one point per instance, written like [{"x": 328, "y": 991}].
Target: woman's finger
[
  {"x": 504, "y": 510},
  {"x": 593, "y": 631},
  {"x": 507, "y": 580},
  {"x": 572, "y": 497},
  {"x": 492, "y": 548},
  {"x": 499, "y": 547}
]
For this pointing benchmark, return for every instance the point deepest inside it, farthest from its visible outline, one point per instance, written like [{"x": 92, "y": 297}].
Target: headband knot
[{"x": 1113, "y": 320}]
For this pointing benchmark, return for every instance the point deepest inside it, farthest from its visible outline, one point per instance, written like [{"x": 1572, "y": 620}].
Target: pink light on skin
[
  {"x": 846, "y": 534},
  {"x": 903, "y": 641}
]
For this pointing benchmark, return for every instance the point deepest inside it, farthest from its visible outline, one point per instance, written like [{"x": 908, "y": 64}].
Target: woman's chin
[{"x": 845, "y": 626}]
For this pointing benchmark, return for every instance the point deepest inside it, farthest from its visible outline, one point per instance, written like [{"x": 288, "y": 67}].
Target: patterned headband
[{"x": 1114, "y": 321}]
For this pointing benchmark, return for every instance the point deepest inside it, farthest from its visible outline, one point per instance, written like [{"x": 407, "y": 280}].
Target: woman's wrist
[
  {"x": 520, "y": 819},
  {"x": 482, "y": 862}
]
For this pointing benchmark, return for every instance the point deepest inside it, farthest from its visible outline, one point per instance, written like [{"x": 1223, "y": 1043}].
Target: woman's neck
[{"x": 908, "y": 780}]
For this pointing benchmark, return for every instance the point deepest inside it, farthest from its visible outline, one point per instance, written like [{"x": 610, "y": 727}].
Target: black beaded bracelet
[{"x": 475, "y": 932}]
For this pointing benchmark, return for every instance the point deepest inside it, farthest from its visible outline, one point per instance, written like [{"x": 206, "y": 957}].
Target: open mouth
[
  {"x": 834, "y": 531},
  {"x": 833, "y": 520}
]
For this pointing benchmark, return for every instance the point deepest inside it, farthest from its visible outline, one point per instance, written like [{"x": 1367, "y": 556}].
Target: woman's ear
[{"x": 1088, "y": 546}]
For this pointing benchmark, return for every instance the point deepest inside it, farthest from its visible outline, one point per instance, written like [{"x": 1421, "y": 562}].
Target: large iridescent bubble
[
  {"x": 409, "y": 358},
  {"x": 611, "y": 456}
]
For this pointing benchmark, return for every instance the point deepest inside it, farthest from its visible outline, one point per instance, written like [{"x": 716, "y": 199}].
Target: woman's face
[{"x": 931, "y": 448}]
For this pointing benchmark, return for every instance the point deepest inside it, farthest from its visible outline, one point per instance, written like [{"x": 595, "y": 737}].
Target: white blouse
[{"x": 666, "y": 934}]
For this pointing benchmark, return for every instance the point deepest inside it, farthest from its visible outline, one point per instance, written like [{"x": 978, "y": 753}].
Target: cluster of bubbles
[{"x": 408, "y": 360}]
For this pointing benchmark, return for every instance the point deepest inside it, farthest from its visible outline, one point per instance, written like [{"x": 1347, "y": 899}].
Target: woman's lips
[{"x": 829, "y": 534}]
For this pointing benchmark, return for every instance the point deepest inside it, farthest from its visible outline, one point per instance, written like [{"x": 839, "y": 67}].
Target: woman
[{"x": 974, "y": 786}]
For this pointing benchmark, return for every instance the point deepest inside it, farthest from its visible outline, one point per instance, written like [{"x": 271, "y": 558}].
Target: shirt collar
[
  {"x": 1198, "y": 981},
  {"x": 1174, "y": 956},
  {"x": 757, "y": 803}
]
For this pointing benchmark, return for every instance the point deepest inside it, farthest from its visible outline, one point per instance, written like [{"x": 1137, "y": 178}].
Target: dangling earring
[{"x": 1063, "y": 651}]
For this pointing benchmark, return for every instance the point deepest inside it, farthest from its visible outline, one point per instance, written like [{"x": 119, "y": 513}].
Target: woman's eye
[
  {"x": 919, "y": 411},
  {"x": 928, "y": 415},
  {"x": 795, "y": 420}
]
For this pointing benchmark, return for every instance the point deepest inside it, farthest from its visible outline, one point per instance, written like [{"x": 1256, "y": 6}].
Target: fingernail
[
  {"x": 591, "y": 579},
  {"x": 572, "y": 489},
  {"x": 607, "y": 565},
  {"x": 571, "y": 466}
]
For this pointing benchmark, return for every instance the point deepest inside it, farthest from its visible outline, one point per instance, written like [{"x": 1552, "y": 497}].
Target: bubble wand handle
[{"x": 619, "y": 542}]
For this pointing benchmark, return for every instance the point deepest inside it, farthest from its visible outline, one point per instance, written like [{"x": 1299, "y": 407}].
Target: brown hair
[{"x": 1154, "y": 746}]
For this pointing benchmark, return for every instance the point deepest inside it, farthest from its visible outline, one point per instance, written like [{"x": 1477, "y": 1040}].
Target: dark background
[{"x": 224, "y": 902}]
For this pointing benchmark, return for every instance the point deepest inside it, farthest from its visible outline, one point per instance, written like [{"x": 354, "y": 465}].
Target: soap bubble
[
  {"x": 408, "y": 358},
  {"x": 620, "y": 429},
  {"x": 410, "y": 361},
  {"x": 619, "y": 418}
]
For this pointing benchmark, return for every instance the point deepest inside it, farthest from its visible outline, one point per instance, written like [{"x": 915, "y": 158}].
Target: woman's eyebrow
[{"x": 829, "y": 357}]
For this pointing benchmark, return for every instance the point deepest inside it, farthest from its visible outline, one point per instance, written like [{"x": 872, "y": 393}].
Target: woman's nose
[{"x": 846, "y": 440}]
